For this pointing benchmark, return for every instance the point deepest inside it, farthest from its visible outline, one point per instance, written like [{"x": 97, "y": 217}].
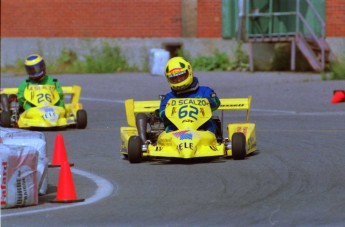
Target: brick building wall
[
  {"x": 124, "y": 19},
  {"x": 105, "y": 18},
  {"x": 90, "y": 18},
  {"x": 209, "y": 17},
  {"x": 335, "y": 18}
]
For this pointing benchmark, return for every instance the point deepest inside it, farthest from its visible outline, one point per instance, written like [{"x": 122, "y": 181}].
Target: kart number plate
[{"x": 50, "y": 116}]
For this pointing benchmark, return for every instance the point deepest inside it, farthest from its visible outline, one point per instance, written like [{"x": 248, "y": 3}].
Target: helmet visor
[
  {"x": 178, "y": 77},
  {"x": 35, "y": 70}
]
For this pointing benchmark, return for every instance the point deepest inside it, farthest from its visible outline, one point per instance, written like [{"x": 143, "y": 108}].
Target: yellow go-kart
[
  {"x": 44, "y": 113},
  {"x": 146, "y": 138}
]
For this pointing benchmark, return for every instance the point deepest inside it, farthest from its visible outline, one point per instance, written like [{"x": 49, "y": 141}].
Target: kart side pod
[
  {"x": 243, "y": 139},
  {"x": 241, "y": 135}
]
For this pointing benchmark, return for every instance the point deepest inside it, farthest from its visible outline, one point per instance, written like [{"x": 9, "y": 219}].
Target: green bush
[
  {"x": 67, "y": 62},
  {"x": 217, "y": 62},
  {"x": 108, "y": 59},
  {"x": 241, "y": 61},
  {"x": 220, "y": 61},
  {"x": 337, "y": 69},
  {"x": 334, "y": 70}
]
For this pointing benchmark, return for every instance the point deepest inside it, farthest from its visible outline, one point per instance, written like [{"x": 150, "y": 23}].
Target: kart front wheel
[
  {"x": 135, "y": 155},
  {"x": 238, "y": 146},
  {"x": 81, "y": 119},
  {"x": 6, "y": 119}
]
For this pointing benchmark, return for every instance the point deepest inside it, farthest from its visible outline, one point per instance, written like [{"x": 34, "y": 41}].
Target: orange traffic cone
[
  {"x": 66, "y": 191},
  {"x": 59, "y": 153},
  {"x": 338, "y": 96}
]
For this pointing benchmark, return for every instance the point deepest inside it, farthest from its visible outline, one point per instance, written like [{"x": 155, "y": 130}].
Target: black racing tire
[
  {"x": 135, "y": 154},
  {"x": 125, "y": 156},
  {"x": 81, "y": 119},
  {"x": 238, "y": 144},
  {"x": 4, "y": 102},
  {"x": 6, "y": 119}
]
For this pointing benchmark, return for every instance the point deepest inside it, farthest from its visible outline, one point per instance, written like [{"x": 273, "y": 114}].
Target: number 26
[{"x": 41, "y": 98}]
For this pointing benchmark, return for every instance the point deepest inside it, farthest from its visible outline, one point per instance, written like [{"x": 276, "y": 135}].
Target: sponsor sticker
[
  {"x": 178, "y": 134},
  {"x": 196, "y": 102},
  {"x": 185, "y": 145},
  {"x": 186, "y": 136}
]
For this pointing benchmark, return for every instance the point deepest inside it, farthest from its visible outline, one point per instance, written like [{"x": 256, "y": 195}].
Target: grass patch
[
  {"x": 336, "y": 70},
  {"x": 108, "y": 59},
  {"x": 219, "y": 61}
]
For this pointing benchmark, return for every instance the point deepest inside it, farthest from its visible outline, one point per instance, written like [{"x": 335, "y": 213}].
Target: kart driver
[
  {"x": 179, "y": 74},
  {"x": 36, "y": 70}
]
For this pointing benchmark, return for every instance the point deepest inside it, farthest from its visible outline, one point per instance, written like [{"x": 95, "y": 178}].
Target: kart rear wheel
[
  {"x": 6, "y": 119},
  {"x": 135, "y": 155},
  {"x": 4, "y": 102},
  {"x": 81, "y": 119},
  {"x": 238, "y": 146}
]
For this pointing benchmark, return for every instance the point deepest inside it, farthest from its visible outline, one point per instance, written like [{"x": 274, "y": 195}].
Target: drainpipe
[{"x": 241, "y": 33}]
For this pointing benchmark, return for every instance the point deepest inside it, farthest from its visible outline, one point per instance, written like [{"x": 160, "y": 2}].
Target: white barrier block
[
  {"x": 19, "y": 186},
  {"x": 11, "y": 136}
]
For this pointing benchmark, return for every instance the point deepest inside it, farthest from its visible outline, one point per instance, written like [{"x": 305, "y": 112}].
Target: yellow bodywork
[
  {"x": 188, "y": 115},
  {"x": 45, "y": 113},
  {"x": 247, "y": 128}
]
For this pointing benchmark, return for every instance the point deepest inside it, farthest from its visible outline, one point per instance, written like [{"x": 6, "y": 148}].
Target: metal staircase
[{"x": 288, "y": 24}]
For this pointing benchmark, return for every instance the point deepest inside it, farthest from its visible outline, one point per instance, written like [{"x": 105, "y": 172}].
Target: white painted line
[
  {"x": 104, "y": 189},
  {"x": 102, "y": 100},
  {"x": 267, "y": 111},
  {"x": 336, "y": 113},
  {"x": 274, "y": 111},
  {"x": 287, "y": 112}
]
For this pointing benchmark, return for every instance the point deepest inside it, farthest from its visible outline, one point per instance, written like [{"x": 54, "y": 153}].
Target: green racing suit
[{"x": 47, "y": 80}]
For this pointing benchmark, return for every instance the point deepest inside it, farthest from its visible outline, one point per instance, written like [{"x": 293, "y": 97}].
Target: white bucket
[{"x": 157, "y": 60}]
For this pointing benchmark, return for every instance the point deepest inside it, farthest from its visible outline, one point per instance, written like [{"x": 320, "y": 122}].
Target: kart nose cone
[{"x": 187, "y": 149}]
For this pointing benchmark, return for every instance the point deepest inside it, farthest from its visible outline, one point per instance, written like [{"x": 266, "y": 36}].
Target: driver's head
[
  {"x": 35, "y": 67},
  {"x": 179, "y": 73}
]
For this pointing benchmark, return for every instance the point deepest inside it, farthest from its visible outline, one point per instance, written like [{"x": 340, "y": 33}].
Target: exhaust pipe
[{"x": 141, "y": 121}]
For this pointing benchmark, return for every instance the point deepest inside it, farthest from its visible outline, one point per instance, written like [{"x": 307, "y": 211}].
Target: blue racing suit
[{"x": 194, "y": 91}]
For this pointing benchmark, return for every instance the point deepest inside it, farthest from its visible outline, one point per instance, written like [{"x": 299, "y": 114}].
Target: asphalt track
[{"x": 297, "y": 177}]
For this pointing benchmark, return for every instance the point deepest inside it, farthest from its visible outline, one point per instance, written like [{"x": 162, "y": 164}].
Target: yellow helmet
[
  {"x": 35, "y": 67},
  {"x": 179, "y": 73}
]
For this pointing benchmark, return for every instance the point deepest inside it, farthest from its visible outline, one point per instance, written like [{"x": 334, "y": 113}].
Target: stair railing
[
  {"x": 310, "y": 30},
  {"x": 299, "y": 19}
]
